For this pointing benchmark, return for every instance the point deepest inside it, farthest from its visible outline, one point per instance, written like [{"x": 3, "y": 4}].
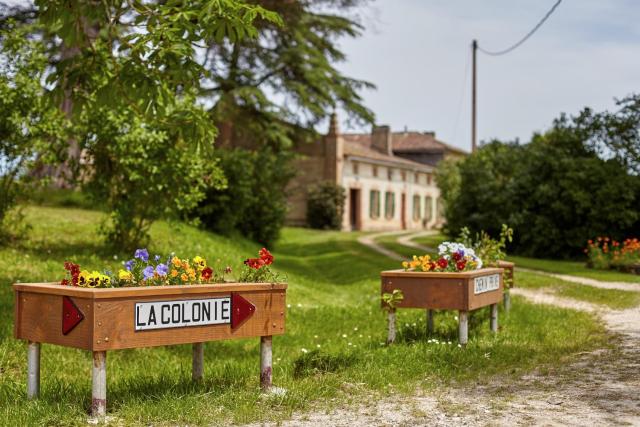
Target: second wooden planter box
[{"x": 464, "y": 292}]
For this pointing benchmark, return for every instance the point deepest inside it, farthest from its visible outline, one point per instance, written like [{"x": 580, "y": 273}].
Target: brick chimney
[
  {"x": 333, "y": 152},
  {"x": 381, "y": 139}
]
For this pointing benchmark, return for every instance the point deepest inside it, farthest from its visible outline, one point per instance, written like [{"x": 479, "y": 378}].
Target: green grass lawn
[{"x": 332, "y": 353}]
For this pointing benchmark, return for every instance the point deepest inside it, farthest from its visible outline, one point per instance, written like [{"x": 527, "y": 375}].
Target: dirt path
[
  {"x": 408, "y": 240},
  {"x": 600, "y": 388},
  {"x": 369, "y": 240}
]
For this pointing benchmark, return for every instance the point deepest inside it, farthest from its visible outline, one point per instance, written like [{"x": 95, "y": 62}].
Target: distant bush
[
  {"x": 62, "y": 197},
  {"x": 253, "y": 202},
  {"x": 325, "y": 206},
  {"x": 556, "y": 192}
]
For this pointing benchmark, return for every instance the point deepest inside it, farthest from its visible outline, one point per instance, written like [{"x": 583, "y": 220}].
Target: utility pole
[{"x": 474, "y": 48}]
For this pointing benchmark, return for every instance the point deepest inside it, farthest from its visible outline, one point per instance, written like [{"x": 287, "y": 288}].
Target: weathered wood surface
[{"x": 109, "y": 314}]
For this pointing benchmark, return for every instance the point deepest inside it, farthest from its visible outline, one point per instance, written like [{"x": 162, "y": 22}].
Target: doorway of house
[
  {"x": 403, "y": 211},
  {"x": 354, "y": 209}
]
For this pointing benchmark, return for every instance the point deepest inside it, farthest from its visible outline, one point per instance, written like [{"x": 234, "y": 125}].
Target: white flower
[
  {"x": 304, "y": 350},
  {"x": 318, "y": 345}
]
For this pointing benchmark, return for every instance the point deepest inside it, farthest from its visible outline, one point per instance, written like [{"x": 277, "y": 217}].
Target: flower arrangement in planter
[
  {"x": 142, "y": 270},
  {"x": 452, "y": 257},
  {"x": 604, "y": 253}
]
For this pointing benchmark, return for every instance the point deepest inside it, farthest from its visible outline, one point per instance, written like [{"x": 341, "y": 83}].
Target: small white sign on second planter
[
  {"x": 182, "y": 313},
  {"x": 486, "y": 283}
]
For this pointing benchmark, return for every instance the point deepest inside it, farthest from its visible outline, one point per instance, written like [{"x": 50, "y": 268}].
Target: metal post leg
[
  {"x": 99, "y": 384},
  {"x": 494, "y": 318},
  {"x": 33, "y": 370},
  {"x": 266, "y": 363},
  {"x": 429, "y": 322},
  {"x": 197, "y": 371},
  {"x": 507, "y": 301},
  {"x": 391, "y": 335},
  {"x": 463, "y": 327}
]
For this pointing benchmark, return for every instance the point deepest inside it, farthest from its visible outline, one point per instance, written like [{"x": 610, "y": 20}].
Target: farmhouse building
[{"x": 388, "y": 177}]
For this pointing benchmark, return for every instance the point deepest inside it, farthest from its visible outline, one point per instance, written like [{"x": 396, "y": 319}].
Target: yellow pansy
[
  {"x": 125, "y": 275},
  {"x": 200, "y": 262}
]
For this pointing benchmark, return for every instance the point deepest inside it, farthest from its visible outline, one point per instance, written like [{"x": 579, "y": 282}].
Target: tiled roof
[
  {"x": 359, "y": 145},
  {"x": 408, "y": 142}
]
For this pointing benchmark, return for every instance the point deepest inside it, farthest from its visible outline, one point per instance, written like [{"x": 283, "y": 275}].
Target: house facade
[{"x": 388, "y": 177}]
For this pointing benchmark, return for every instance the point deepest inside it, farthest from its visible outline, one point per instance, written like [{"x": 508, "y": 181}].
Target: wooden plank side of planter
[
  {"x": 441, "y": 291},
  {"x": 426, "y": 292},
  {"x": 39, "y": 319},
  {"x": 114, "y": 321}
]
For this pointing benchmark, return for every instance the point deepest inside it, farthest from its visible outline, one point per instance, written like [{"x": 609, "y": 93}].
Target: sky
[{"x": 416, "y": 52}]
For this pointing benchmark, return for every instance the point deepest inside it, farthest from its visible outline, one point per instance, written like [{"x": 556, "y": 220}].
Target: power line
[{"x": 524, "y": 39}]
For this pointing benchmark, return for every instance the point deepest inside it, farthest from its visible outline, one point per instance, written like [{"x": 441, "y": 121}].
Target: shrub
[
  {"x": 325, "y": 206},
  {"x": 31, "y": 129},
  {"x": 254, "y": 202},
  {"x": 555, "y": 192},
  {"x": 142, "y": 171}
]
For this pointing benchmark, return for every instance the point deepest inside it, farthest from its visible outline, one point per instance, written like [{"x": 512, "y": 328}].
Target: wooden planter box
[
  {"x": 116, "y": 318},
  {"x": 464, "y": 292},
  {"x": 509, "y": 277}
]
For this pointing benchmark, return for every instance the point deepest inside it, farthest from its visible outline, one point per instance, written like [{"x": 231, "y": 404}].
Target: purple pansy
[
  {"x": 157, "y": 258},
  {"x": 129, "y": 265},
  {"x": 147, "y": 272},
  {"x": 142, "y": 254},
  {"x": 162, "y": 269}
]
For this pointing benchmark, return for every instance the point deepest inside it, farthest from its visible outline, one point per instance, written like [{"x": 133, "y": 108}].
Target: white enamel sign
[
  {"x": 182, "y": 313},
  {"x": 486, "y": 283}
]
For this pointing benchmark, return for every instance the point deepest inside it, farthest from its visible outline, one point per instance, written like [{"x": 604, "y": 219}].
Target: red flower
[
  {"x": 206, "y": 273},
  {"x": 266, "y": 256},
  {"x": 442, "y": 263},
  {"x": 256, "y": 263},
  {"x": 74, "y": 270},
  {"x": 456, "y": 256},
  {"x": 460, "y": 265},
  {"x": 64, "y": 282}
]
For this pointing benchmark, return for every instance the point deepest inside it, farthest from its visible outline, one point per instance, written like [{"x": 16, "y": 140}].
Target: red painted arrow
[
  {"x": 71, "y": 315},
  {"x": 241, "y": 310}
]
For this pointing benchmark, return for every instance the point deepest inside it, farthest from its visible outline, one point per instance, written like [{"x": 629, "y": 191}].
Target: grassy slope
[{"x": 334, "y": 314}]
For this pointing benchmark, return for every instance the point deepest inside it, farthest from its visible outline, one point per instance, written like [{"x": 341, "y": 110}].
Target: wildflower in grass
[{"x": 304, "y": 350}]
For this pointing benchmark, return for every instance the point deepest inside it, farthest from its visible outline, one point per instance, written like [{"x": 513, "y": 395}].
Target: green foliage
[
  {"x": 31, "y": 130},
  {"x": 604, "y": 253},
  {"x": 325, "y": 206},
  {"x": 489, "y": 250},
  {"x": 615, "y": 133},
  {"x": 127, "y": 76},
  {"x": 555, "y": 192},
  {"x": 253, "y": 203},
  {"x": 285, "y": 81},
  {"x": 143, "y": 171},
  {"x": 391, "y": 300}
]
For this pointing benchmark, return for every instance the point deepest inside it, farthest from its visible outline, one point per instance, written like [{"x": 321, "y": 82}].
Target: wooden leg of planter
[
  {"x": 266, "y": 363},
  {"x": 429, "y": 322},
  {"x": 33, "y": 370},
  {"x": 463, "y": 327},
  {"x": 494, "y": 318},
  {"x": 99, "y": 385},
  {"x": 507, "y": 301},
  {"x": 391, "y": 335},
  {"x": 197, "y": 369}
]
